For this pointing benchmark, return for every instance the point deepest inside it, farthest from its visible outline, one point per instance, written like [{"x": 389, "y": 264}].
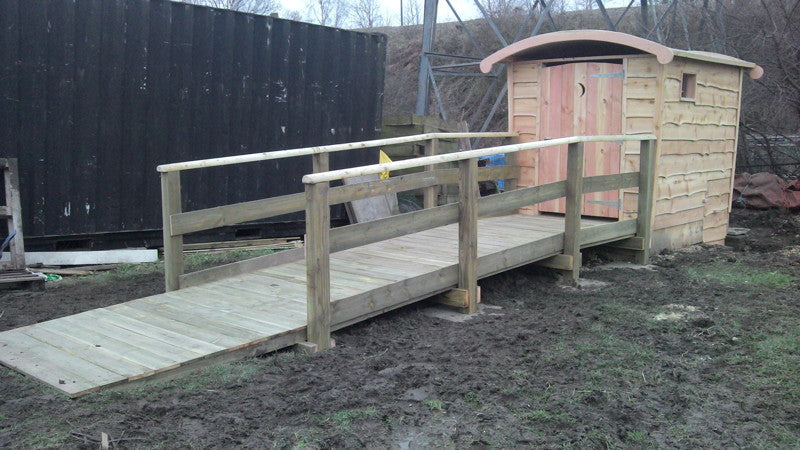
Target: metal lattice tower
[{"x": 652, "y": 15}]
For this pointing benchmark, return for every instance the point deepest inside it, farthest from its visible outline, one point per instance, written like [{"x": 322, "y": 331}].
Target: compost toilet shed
[{"x": 593, "y": 82}]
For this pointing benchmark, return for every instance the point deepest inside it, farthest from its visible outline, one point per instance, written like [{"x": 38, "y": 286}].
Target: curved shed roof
[{"x": 582, "y": 43}]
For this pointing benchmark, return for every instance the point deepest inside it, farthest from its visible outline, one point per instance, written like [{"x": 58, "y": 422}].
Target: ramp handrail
[
  {"x": 279, "y": 154},
  {"x": 334, "y": 175},
  {"x": 321, "y": 240},
  {"x": 177, "y": 223}
]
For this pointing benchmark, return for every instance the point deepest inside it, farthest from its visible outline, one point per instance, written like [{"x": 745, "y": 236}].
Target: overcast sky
[{"x": 466, "y": 8}]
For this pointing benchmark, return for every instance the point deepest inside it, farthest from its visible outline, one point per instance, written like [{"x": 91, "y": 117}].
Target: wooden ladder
[{"x": 14, "y": 270}]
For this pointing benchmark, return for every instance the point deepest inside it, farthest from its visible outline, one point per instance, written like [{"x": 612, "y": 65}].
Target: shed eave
[{"x": 663, "y": 54}]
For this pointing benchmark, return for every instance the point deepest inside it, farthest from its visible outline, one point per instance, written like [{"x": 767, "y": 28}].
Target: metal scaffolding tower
[{"x": 652, "y": 15}]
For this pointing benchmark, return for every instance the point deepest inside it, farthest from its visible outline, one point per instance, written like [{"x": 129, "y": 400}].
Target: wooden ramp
[{"x": 265, "y": 310}]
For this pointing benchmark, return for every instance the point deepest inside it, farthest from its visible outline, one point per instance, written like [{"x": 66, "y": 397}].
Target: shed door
[{"x": 582, "y": 99}]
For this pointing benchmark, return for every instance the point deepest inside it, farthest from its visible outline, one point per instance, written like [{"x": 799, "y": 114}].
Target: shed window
[{"x": 688, "y": 86}]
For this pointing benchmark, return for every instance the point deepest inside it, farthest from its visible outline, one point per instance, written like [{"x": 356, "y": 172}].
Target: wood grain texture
[
  {"x": 468, "y": 232},
  {"x": 318, "y": 281},
  {"x": 173, "y": 244}
]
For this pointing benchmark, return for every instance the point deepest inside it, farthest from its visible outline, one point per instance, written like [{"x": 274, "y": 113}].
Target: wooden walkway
[{"x": 265, "y": 310}]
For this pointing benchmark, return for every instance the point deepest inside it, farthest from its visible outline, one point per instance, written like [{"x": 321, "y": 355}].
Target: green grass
[
  {"x": 541, "y": 415},
  {"x": 207, "y": 378},
  {"x": 741, "y": 275},
  {"x": 435, "y": 405},
  {"x": 637, "y": 438},
  {"x": 777, "y": 359},
  {"x": 343, "y": 419}
]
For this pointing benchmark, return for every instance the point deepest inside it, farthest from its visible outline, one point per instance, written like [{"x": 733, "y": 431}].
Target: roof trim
[{"x": 663, "y": 54}]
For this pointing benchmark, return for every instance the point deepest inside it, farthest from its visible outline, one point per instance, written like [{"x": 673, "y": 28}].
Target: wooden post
[
  {"x": 320, "y": 162},
  {"x": 318, "y": 276},
  {"x": 468, "y": 232},
  {"x": 644, "y": 221},
  {"x": 572, "y": 216},
  {"x": 173, "y": 245},
  {"x": 17, "y": 244},
  {"x": 430, "y": 194}
]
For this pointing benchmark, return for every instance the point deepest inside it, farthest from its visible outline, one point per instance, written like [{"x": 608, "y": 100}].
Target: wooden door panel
[{"x": 581, "y": 99}]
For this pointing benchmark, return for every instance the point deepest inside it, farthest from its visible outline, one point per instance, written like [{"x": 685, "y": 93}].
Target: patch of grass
[
  {"x": 220, "y": 374},
  {"x": 471, "y": 397},
  {"x": 779, "y": 436},
  {"x": 306, "y": 439},
  {"x": 343, "y": 419},
  {"x": 777, "y": 359},
  {"x": 435, "y": 405},
  {"x": 541, "y": 415},
  {"x": 520, "y": 375},
  {"x": 201, "y": 379},
  {"x": 741, "y": 274},
  {"x": 44, "y": 439},
  {"x": 637, "y": 438}
]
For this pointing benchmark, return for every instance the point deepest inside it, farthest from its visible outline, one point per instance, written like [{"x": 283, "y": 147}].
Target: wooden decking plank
[
  {"x": 289, "y": 290},
  {"x": 251, "y": 298},
  {"x": 263, "y": 286},
  {"x": 201, "y": 347},
  {"x": 91, "y": 353},
  {"x": 227, "y": 301},
  {"x": 423, "y": 243},
  {"x": 207, "y": 332},
  {"x": 168, "y": 351},
  {"x": 390, "y": 260},
  {"x": 52, "y": 365},
  {"x": 124, "y": 350},
  {"x": 204, "y": 319},
  {"x": 337, "y": 289},
  {"x": 424, "y": 254},
  {"x": 386, "y": 275},
  {"x": 226, "y": 314},
  {"x": 245, "y": 304}
]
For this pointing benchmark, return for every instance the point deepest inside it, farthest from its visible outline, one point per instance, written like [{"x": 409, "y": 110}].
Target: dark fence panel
[{"x": 95, "y": 93}]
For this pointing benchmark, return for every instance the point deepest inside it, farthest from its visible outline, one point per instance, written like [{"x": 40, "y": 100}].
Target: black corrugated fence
[{"x": 95, "y": 93}]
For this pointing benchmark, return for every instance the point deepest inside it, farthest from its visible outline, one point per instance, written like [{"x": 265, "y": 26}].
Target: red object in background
[{"x": 765, "y": 190}]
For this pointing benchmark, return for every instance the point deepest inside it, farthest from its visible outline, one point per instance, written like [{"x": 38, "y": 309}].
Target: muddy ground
[{"x": 703, "y": 350}]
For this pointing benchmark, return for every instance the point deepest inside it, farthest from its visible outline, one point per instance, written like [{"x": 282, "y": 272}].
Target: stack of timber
[{"x": 251, "y": 244}]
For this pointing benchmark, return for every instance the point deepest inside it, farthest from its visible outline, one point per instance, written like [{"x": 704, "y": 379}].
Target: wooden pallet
[
  {"x": 265, "y": 310},
  {"x": 20, "y": 279}
]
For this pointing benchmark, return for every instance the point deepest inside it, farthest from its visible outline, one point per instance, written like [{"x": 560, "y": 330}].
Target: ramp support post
[
  {"x": 318, "y": 277},
  {"x": 429, "y": 194},
  {"x": 644, "y": 220},
  {"x": 468, "y": 232},
  {"x": 173, "y": 245},
  {"x": 574, "y": 205}
]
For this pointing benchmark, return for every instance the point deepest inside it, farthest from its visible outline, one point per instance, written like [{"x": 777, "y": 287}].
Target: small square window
[{"x": 688, "y": 86}]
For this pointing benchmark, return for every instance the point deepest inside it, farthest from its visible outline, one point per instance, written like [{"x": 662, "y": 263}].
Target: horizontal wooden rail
[
  {"x": 518, "y": 198},
  {"x": 280, "y": 154},
  {"x": 340, "y": 174},
  {"x": 226, "y": 215},
  {"x": 601, "y": 183}
]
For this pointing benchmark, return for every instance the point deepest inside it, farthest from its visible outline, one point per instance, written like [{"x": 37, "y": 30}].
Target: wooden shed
[{"x": 593, "y": 82}]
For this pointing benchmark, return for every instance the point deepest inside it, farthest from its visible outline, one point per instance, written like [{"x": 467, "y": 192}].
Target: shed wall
[
  {"x": 523, "y": 117},
  {"x": 696, "y": 154},
  {"x": 640, "y": 102}
]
